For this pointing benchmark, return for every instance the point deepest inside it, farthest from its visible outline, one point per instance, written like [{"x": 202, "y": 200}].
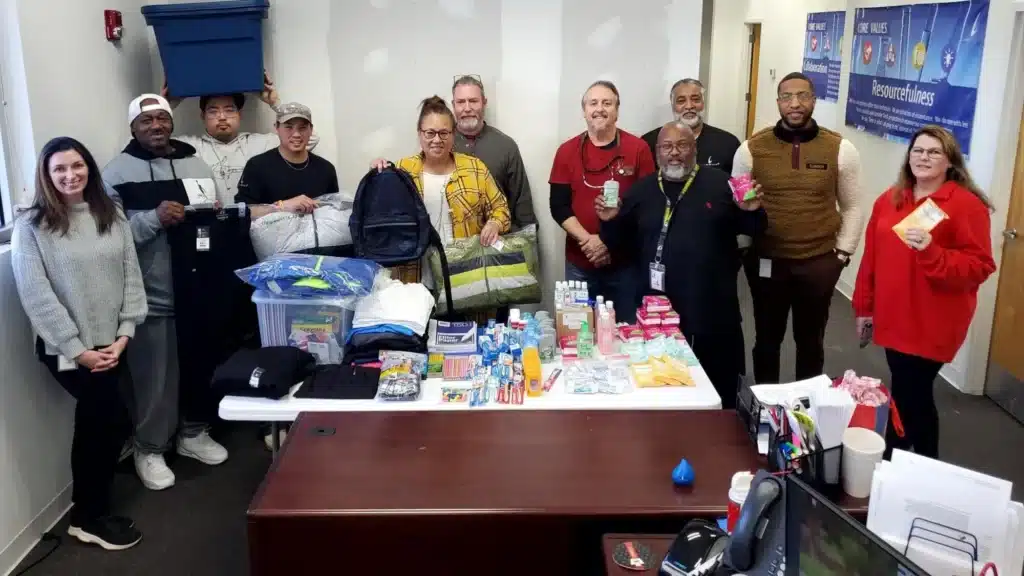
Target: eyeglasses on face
[
  {"x": 442, "y": 134},
  {"x": 933, "y": 153},
  {"x": 669, "y": 147},
  {"x": 803, "y": 97},
  {"x": 230, "y": 112}
]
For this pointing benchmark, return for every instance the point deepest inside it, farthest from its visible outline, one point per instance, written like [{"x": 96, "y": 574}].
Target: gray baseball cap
[{"x": 294, "y": 110}]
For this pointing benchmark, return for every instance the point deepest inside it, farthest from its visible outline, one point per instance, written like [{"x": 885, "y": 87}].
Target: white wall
[
  {"x": 59, "y": 77},
  {"x": 993, "y": 142},
  {"x": 535, "y": 57}
]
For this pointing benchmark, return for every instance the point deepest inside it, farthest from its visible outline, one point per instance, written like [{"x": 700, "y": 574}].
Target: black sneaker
[{"x": 110, "y": 533}]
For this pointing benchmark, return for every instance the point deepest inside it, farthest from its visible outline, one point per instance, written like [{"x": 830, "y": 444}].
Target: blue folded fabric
[
  {"x": 381, "y": 329},
  {"x": 307, "y": 275}
]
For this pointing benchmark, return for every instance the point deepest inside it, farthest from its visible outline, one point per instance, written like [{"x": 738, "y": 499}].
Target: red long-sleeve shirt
[{"x": 922, "y": 301}]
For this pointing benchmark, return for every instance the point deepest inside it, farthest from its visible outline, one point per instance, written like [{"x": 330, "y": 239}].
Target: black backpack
[{"x": 390, "y": 224}]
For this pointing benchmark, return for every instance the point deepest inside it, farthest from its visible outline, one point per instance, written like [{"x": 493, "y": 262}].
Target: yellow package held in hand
[{"x": 925, "y": 217}]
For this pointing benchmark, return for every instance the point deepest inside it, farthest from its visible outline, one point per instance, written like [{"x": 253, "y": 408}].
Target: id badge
[
  {"x": 203, "y": 238},
  {"x": 65, "y": 365},
  {"x": 657, "y": 276},
  {"x": 765, "y": 268}
]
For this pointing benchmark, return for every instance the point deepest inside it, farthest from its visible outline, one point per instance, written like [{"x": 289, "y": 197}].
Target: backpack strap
[{"x": 435, "y": 241}]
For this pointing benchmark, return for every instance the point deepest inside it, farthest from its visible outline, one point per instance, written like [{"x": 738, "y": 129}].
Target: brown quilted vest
[{"x": 799, "y": 179}]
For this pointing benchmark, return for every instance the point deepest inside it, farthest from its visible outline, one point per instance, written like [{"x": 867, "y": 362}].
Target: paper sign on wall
[
  {"x": 916, "y": 65},
  {"x": 823, "y": 52}
]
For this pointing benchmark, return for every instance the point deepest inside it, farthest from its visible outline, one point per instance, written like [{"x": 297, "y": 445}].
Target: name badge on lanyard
[{"x": 657, "y": 269}]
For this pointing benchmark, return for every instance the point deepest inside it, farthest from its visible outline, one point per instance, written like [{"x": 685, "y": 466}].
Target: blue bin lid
[{"x": 200, "y": 9}]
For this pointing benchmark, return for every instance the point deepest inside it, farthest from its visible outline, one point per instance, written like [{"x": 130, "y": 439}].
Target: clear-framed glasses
[
  {"x": 803, "y": 97},
  {"x": 444, "y": 135},
  {"x": 933, "y": 153},
  {"x": 229, "y": 112}
]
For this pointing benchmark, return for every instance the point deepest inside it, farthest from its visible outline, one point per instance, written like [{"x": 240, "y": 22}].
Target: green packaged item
[{"x": 505, "y": 273}]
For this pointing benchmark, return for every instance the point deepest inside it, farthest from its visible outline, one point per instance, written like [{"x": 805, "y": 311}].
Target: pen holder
[{"x": 820, "y": 469}]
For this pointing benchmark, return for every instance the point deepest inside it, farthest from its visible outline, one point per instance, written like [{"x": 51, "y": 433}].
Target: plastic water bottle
[
  {"x": 559, "y": 295},
  {"x": 584, "y": 294}
]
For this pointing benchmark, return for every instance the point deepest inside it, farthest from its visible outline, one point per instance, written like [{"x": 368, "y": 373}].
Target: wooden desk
[{"x": 524, "y": 492}]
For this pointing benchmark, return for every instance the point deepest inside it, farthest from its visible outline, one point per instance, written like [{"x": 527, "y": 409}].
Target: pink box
[
  {"x": 631, "y": 333},
  {"x": 670, "y": 318},
  {"x": 652, "y": 332},
  {"x": 647, "y": 319},
  {"x": 656, "y": 304},
  {"x": 671, "y": 331}
]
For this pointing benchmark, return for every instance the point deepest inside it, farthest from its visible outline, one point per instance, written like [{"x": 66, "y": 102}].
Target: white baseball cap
[{"x": 136, "y": 108}]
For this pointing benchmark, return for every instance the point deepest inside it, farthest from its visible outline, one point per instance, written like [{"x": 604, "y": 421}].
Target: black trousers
[
  {"x": 102, "y": 425},
  {"x": 913, "y": 390},
  {"x": 213, "y": 312},
  {"x": 805, "y": 287},
  {"x": 724, "y": 361}
]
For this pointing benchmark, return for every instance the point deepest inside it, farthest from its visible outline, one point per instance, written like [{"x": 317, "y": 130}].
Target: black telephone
[{"x": 758, "y": 541}]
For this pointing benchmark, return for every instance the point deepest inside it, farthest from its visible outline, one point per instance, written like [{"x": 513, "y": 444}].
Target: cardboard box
[{"x": 569, "y": 320}]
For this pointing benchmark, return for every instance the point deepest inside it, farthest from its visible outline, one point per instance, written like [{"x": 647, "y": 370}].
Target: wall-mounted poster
[
  {"x": 916, "y": 65},
  {"x": 823, "y": 52}
]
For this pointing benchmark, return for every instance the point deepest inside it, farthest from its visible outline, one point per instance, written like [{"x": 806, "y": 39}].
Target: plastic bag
[
  {"x": 302, "y": 275},
  {"x": 504, "y": 273},
  {"x": 285, "y": 232}
]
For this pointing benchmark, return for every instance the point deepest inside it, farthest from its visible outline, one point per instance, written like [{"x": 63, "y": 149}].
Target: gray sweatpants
[{"x": 152, "y": 383}]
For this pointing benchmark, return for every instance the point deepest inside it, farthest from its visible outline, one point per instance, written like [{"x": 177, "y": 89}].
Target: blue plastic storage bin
[{"x": 210, "y": 47}]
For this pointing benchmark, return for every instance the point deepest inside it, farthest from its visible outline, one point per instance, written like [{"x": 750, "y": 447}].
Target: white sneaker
[
  {"x": 269, "y": 439},
  {"x": 202, "y": 448},
  {"x": 153, "y": 471}
]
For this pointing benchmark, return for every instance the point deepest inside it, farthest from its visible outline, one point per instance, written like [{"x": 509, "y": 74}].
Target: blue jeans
[{"x": 617, "y": 284}]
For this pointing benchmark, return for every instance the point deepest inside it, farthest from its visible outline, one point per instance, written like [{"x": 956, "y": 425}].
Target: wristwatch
[{"x": 843, "y": 257}]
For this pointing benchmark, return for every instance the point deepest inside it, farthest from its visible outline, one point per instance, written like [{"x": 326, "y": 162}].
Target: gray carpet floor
[{"x": 198, "y": 527}]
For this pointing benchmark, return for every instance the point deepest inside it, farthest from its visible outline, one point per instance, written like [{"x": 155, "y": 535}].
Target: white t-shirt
[{"x": 436, "y": 201}]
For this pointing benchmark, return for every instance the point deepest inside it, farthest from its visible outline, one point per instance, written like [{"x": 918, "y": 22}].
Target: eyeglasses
[
  {"x": 803, "y": 97},
  {"x": 668, "y": 147},
  {"x": 933, "y": 153},
  {"x": 442, "y": 134},
  {"x": 225, "y": 112}
]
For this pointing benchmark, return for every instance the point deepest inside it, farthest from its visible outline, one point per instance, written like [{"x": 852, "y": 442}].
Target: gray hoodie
[{"x": 140, "y": 182}]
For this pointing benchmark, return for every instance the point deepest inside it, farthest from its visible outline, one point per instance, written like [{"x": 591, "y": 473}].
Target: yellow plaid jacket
[{"x": 473, "y": 197}]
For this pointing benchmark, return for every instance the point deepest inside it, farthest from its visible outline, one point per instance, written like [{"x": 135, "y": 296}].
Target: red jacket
[{"x": 922, "y": 301}]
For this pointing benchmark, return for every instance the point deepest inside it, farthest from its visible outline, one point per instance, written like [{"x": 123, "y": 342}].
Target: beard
[
  {"x": 471, "y": 124},
  {"x": 675, "y": 171},
  {"x": 691, "y": 122}
]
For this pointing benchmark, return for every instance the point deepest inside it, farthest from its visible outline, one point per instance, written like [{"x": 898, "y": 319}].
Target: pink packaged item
[
  {"x": 647, "y": 318},
  {"x": 652, "y": 332},
  {"x": 670, "y": 318},
  {"x": 671, "y": 331},
  {"x": 742, "y": 187},
  {"x": 631, "y": 333},
  {"x": 656, "y": 304}
]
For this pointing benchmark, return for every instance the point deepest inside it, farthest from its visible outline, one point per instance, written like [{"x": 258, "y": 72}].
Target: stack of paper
[{"x": 953, "y": 507}]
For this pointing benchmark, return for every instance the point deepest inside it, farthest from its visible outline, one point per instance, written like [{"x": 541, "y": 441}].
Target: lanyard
[{"x": 669, "y": 210}]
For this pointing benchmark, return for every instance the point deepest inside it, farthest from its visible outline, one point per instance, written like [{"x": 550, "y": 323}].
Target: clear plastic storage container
[{"x": 316, "y": 325}]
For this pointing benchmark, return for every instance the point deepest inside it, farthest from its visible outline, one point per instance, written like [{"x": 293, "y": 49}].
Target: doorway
[
  {"x": 755, "y": 55},
  {"x": 1004, "y": 381}
]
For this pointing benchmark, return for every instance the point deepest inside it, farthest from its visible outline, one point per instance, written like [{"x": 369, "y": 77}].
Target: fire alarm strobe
[{"x": 112, "y": 24}]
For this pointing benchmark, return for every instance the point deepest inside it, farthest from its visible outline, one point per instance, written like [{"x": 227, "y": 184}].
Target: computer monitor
[{"x": 822, "y": 540}]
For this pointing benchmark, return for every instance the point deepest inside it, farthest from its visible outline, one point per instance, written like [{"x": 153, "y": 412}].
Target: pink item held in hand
[{"x": 742, "y": 187}]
